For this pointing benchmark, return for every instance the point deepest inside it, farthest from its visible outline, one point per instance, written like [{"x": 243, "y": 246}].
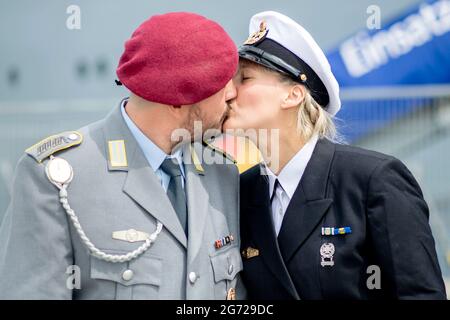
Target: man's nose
[{"x": 230, "y": 91}]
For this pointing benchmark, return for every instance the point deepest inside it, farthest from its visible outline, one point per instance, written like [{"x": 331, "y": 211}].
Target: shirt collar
[
  {"x": 154, "y": 155},
  {"x": 291, "y": 174}
]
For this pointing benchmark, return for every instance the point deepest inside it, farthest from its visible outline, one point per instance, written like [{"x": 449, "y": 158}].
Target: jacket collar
[{"x": 141, "y": 183}]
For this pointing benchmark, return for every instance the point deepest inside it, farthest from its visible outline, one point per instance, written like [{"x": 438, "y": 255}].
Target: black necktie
[
  {"x": 175, "y": 191},
  {"x": 275, "y": 186}
]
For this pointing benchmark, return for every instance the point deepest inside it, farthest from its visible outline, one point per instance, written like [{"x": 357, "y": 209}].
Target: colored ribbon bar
[
  {"x": 223, "y": 242},
  {"x": 328, "y": 231}
]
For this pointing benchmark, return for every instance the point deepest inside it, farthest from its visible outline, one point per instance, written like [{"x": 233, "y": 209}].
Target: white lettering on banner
[{"x": 364, "y": 53}]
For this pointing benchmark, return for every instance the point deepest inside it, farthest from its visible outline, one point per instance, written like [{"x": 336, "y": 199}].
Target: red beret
[{"x": 177, "y": 59}]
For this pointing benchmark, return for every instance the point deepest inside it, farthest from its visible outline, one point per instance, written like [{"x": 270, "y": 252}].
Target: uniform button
[
  {"x": 73, "y": 136},
  {"x": 230, "y": 269},
  {"x": 127, "y": 275},
  {"x": 192, "y": 277}
]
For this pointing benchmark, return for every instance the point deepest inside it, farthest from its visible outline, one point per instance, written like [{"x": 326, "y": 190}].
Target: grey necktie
[{"x": 175, "y": 191}]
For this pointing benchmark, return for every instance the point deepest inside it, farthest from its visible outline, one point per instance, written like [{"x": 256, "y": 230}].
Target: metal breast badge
[
  {"x": 326, "y": 253},
  {"x": 59, "y": 171}
]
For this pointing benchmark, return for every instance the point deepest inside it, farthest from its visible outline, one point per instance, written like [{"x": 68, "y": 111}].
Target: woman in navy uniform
[{"x": 319, "y": 219}]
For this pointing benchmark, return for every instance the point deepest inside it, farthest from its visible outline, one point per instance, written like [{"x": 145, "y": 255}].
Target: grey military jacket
[{"x": 115, "y": 191}]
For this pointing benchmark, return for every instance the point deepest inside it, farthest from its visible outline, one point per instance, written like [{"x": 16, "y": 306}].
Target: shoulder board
[
  {"x": 222, "y": 152},
  {"x": 45, "y": 148}
]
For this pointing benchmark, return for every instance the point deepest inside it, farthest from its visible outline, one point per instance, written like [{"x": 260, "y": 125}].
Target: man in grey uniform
[{"x": 127, "y": 207}]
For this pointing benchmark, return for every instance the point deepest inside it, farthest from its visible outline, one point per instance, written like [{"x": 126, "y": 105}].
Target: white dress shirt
[{"x": 288, "y": 180}]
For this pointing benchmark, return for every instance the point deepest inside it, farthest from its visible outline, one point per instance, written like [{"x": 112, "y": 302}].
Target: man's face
[{"x": 212, "y": 111}]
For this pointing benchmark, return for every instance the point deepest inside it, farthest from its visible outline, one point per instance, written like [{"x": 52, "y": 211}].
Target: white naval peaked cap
[{"x": 278, "y": 42}]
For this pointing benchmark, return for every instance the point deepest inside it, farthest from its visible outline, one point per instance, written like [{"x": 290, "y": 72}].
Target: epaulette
[
  {"x": 55, "y": 143},
  {"x": 222, "y": 152}
]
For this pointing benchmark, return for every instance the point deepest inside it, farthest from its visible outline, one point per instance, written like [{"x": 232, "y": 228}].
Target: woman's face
[{"x": 259, "y": 97}]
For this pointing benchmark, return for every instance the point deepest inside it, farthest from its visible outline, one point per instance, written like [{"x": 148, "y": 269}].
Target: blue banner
[{"x": 412, "y": 49}]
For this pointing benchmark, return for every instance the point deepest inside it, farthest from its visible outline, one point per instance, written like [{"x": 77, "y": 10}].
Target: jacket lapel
[
  {"x": 309, "y": 203},
  {"x": 263, "y": 233},
  {"x": 197, "y": 197},
  {"x": 141, "y": 183}
]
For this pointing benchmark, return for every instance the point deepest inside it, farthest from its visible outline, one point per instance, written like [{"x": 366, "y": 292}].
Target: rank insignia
[
  {"x": 117, "y": 154},
  {"x": 47, "y": 147},
  {"x": 258, "y": 35},
  {"x": 223, "y": 242},
  {"x": 330, "y": 231}
]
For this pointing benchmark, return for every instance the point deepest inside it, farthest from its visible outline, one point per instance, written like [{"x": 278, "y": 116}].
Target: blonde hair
[{"x": 312, "y": 119}]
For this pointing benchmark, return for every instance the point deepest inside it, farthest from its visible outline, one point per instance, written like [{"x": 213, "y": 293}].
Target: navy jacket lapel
[
  {"x": 309, "y": 203},
  {"x": 263, "y": 234}
]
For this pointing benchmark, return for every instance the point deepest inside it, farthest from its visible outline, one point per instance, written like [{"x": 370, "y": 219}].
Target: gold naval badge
[
  {"x": 250, "y": 253},
  {"x": 258, "y": 35}
]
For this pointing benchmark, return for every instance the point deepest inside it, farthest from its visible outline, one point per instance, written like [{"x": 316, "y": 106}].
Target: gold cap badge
[{"x": 258, "y": 35}]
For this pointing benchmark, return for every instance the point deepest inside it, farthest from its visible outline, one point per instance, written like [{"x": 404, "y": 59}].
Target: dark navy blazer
[{"x": 343, "y": 186}]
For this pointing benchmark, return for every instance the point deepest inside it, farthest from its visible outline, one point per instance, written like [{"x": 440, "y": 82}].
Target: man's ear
[{"x": 295, "y": 95}]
